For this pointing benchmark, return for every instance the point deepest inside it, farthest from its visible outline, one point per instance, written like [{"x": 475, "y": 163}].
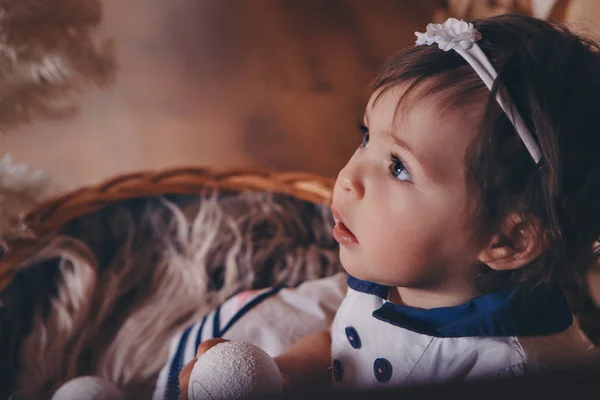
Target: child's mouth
[{"x": 343, "y": 235}]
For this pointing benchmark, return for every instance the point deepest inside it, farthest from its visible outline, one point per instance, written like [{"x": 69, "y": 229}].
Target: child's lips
[{"x": 343, "y": 235}]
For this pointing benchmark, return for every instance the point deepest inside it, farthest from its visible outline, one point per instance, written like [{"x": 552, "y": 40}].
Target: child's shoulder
[
  {"x": 568, "y": 347},
  {"x": 514, "y": 355}
]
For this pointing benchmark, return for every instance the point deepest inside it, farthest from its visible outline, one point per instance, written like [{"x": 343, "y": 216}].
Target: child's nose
[{"x": 351, "y": 184}]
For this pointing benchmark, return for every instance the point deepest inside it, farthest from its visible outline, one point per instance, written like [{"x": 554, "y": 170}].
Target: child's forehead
[{"x": 399, "y": 106}]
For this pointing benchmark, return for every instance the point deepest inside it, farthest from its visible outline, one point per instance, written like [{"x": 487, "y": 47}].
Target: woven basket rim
[{"x": 49, "y": 217}]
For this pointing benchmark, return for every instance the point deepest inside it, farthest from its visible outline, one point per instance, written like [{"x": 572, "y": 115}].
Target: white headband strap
[{"x": 462, "y": 37}]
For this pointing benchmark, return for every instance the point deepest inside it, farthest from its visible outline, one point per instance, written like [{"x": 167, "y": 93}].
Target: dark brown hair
[{"x": 553, "y": 78}]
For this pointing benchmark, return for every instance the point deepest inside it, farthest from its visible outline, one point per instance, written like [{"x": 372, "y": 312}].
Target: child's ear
[{"x": 519, "y": 241}]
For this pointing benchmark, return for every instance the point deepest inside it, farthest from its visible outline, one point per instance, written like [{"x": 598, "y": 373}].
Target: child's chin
[{"x": 356, "y": 271}]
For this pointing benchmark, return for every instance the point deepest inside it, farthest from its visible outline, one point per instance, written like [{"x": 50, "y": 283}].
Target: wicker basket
[
  {"x": 50, "y": 217},
  {"x": 56, "y": 216}
]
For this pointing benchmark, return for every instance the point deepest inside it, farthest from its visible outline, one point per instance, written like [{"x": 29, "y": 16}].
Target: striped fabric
[{"x": 271, "y": 318}]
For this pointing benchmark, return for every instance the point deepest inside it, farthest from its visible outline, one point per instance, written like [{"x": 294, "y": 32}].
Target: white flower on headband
[{"x": 450, "y": 34}]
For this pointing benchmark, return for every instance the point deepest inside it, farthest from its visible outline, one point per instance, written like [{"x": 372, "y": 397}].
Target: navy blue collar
[{"x": 542, "y": 311}]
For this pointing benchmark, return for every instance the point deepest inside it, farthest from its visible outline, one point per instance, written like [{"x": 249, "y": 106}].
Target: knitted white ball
[
  {"x": 234, "y": 370},
  {"x": 88, "y": 388}
]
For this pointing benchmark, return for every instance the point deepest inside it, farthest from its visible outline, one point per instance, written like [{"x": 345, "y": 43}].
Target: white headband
[{"x": 462, "y": 37}]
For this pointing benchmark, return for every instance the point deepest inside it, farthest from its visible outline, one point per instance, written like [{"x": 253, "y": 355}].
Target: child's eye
[
  {"x": 365, "y": 140},
  {"x": 364, "y": 132},
  {"x": 398, "y": 170}
]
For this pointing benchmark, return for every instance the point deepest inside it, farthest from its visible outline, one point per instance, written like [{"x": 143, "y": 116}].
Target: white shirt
[{"x": 379, "y": 344}]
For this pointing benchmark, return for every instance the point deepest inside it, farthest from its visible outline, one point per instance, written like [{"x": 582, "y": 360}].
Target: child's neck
[{"x": 427, "y": 298}]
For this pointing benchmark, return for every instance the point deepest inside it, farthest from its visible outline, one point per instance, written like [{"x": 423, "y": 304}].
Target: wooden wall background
[
  {"x": 226, "y": 83},
  {"x": 236, "y": 83}
]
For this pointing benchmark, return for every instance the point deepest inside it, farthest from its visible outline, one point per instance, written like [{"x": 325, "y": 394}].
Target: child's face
[{"x": 408, "y": 212}]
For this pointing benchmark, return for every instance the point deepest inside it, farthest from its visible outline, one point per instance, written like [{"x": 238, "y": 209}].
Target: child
[{"x": 472, "y": 202}]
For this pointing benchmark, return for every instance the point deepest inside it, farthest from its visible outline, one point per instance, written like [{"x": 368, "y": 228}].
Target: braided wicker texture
[{"x": 48, "y": 218}]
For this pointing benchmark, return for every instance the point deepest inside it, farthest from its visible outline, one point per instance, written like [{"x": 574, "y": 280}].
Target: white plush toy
[
  {"x": 228, "y": 370},
  {"x": 88, "y": 388},
  {"x": 234, "y": 370}
]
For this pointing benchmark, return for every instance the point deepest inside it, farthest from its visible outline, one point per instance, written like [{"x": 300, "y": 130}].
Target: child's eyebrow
[
  {"x": 402, "y": 143},
  {"x": 406, "y": 146}
]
